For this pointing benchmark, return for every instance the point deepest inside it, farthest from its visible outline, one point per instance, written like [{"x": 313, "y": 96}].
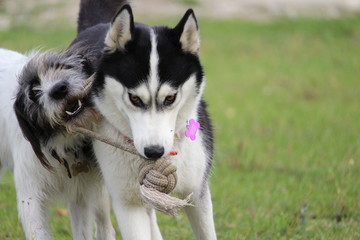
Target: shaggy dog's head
[{"x": 53, "y": 92}]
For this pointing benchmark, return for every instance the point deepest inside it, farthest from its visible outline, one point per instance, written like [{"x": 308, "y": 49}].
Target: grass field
[{"x": 285, "y": 100}]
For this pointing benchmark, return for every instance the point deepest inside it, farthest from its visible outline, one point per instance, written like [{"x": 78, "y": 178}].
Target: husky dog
[
  {"x": 148, "y": 86},
  {"x": 46, "y": 90}
]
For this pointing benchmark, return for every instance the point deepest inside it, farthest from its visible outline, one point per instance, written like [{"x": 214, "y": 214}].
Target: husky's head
[
  {"x": 53, "y": 90},
  {"x": 150, "y": 80}
]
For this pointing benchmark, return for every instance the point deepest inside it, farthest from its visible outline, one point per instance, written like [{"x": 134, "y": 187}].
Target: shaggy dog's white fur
[{"x": 48, "y": 84}]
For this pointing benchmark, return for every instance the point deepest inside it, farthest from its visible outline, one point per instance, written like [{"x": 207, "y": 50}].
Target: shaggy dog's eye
[
  {"x": 136, "y": 100},
  {"x": 169, "y": 100},
  {"x": 34, "y": 89},
  {"x": 34, "y": 93}
]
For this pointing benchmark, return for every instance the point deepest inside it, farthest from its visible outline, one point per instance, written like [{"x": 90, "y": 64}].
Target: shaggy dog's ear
[
  {"x": 187, "y": 32},
  {"x": 29, "y": 131},
  {"x": 121, "y": 30}
]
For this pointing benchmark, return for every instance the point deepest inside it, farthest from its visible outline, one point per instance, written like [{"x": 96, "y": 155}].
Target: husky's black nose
[
  {"x": 59, "y": 90},
  {"x": 154, "y": 152}
]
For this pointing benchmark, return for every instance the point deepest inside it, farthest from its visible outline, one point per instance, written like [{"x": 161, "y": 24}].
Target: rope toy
[
  {"x": 160, "y": 175},
  {"x": 156, "y": 178}
]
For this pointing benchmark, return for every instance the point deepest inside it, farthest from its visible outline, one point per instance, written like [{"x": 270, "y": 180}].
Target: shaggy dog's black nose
[
  {"x": 154, "y": 152},
  {"x": 59, "y": 90}
]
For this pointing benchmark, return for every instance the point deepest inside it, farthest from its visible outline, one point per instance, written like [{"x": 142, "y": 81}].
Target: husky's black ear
[
  {"x": 29, "y": 131},
  {"x": 187, "y": 32},
  {"x": 121, "y": 29}
]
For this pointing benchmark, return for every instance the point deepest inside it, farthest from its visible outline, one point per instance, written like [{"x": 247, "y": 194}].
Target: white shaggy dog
[{"x": 52, "y": 88}]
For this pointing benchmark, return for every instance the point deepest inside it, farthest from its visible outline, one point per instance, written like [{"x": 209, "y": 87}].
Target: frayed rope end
[{"x": 163, "y": 202}]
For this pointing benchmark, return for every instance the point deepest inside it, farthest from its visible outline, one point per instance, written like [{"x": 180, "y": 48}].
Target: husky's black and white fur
[
  {"x": 149, "y": 84},
  {"x": 51, "y": 89}
]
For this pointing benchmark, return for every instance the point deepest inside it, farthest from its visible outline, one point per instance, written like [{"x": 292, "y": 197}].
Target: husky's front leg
[
  {"x": 155, "y": 231},
  {"x": 201, "y": 216},
  {"x": 134, "y": 221},
  {"x": 137, "y": 222}
]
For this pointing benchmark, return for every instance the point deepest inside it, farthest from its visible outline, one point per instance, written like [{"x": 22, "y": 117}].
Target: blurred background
[
  {"x": 283, "y": 87},
  {"x": 42, "y": 11}
]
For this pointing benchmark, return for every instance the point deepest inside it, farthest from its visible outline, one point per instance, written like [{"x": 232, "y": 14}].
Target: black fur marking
[
  {"x": 175, "y": 65},
  {"x": 207, "y": 132},
  {"x": 30, "y": 132},
  {"x": 131, "y": 67},
  {"x": 62, "y": 161},
  {"x": 56, "y": 156},
  {"x": 67, "y": 168},
  {"x": 88, "y": 151}
]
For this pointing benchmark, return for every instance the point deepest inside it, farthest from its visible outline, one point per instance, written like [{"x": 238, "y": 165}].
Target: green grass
[{"x": 285, "y": 100}]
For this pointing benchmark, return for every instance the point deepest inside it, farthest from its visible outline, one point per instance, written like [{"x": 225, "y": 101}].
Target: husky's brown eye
[
  {"x": 169, "y": 100},
  {"x": 136, "y": 100}
]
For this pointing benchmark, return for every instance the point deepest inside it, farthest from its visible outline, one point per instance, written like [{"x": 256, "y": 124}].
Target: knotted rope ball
[
  {"x": 159, "y": 175},
  {"x": 157, "y": 179}
]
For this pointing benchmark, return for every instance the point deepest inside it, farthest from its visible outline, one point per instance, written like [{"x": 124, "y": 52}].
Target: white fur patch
[
  {"x": 143, "y": 92},
  {"x": 164, "y": 91},
  {"x": 153, "y": 80}
]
